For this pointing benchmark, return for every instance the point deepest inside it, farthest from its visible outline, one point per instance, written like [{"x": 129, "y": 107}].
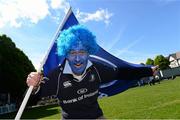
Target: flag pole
[{"x": 30, "y": 89}]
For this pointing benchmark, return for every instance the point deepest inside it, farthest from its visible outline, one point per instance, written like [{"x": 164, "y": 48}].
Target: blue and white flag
[{"x": 106, "y": 89}]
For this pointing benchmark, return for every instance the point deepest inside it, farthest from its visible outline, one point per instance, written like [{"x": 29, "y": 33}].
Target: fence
[{"x": 7, "y": 108}]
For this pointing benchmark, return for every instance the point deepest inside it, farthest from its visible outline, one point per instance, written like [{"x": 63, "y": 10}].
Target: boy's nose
[{"x": 77, "y": 58}]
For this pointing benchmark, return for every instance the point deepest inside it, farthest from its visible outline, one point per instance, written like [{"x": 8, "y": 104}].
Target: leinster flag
[{"x": 106, "y": 89}]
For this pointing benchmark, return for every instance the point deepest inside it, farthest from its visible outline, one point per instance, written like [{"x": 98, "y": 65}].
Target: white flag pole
[{"x": 29, "y": 91}]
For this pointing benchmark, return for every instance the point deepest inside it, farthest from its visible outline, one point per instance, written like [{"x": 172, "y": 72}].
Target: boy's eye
[
  {"x": 72, "y": 52},
  {"x": 77, "y": 52},
  {"x": 82, "y": 52}
]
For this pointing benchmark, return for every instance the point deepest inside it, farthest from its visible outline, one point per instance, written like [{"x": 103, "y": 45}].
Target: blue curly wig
[{"x": 74, "y": 35}]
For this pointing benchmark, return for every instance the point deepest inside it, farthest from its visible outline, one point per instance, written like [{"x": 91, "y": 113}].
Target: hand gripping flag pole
[{"x": 29, "y": 91}]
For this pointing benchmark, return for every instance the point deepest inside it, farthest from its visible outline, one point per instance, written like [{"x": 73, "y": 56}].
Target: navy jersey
[{"x": 78, "y": 98}]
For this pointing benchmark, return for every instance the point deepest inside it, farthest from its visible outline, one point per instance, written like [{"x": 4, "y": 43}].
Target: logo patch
[
  {"x": 67, "y": 84},
  {"x": 82, "y": 91}
]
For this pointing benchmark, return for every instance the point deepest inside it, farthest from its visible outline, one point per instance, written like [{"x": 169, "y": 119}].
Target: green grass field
[{"x": 161, "y": 101}]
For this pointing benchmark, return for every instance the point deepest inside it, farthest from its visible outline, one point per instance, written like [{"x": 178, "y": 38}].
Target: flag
[
  {"x": 53, "y": 60},
  {"x": 106, "y": 89}
]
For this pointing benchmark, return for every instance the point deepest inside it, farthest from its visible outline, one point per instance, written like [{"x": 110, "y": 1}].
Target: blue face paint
[{"x": 78, "y": 58}]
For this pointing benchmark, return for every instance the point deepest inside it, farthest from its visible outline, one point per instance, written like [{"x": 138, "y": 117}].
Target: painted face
[{"x": 78, "y": 58}]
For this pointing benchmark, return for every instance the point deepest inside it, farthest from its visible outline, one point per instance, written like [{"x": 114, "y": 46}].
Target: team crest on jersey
[
  {"x": 92, "y": 78},
  {"x": 82, "y": 90},
  {"x": 67, "y": 84}
]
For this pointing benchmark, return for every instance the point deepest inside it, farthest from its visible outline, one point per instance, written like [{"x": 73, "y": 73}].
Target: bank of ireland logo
[
  {"x": 67, "y": 84},
  {"x": 82, "y": 91}
]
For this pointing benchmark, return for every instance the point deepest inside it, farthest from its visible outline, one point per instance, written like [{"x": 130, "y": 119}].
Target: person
[{"x": 77, "y": 80}]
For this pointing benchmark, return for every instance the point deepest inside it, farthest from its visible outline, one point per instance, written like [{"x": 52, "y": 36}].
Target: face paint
[{"x": 77, "y": 58}]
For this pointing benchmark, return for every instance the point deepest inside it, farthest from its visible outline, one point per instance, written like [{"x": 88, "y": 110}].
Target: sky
[{"x": 132, "y": 30}]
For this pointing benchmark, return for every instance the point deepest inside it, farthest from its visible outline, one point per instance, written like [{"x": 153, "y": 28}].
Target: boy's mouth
[{"x": 78, "y": 65}]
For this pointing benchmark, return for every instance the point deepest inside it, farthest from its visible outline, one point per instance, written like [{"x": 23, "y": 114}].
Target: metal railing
[{"x": 7, "y": 108}]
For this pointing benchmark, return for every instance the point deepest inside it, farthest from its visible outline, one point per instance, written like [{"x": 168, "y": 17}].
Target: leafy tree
[
  {"x": 14, "y": 68},
  {"x": 149, "y": 61},
  {"x": 162, "y": 62}
]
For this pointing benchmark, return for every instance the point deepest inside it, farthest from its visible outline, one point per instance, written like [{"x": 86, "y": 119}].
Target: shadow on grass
[{"x": 35, "y": 113}]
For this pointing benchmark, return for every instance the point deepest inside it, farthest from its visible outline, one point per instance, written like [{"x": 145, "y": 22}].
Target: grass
[{"x": 161, "y": 101}]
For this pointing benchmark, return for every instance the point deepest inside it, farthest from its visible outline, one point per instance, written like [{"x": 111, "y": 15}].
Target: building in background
[{"x": 174, "y": 59}]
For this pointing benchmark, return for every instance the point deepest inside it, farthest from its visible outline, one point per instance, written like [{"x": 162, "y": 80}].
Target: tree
[
  {"x": 149, "y": 61},
  {"x": 162, "y": 62},
  {"x": 14, "y": 68}
]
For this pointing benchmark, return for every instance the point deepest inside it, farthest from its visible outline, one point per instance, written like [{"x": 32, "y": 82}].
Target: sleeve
[
  {"x": 49, "y": 84},
  {"x": 108, "y": 73},
  {"x": 134, "y": 72}
]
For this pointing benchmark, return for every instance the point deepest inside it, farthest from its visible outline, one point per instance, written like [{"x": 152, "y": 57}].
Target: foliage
[
  {"x": 162, "y": 62},
  {"x": 149, "y": 61},
  {"x": 14, "y": 68}
]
